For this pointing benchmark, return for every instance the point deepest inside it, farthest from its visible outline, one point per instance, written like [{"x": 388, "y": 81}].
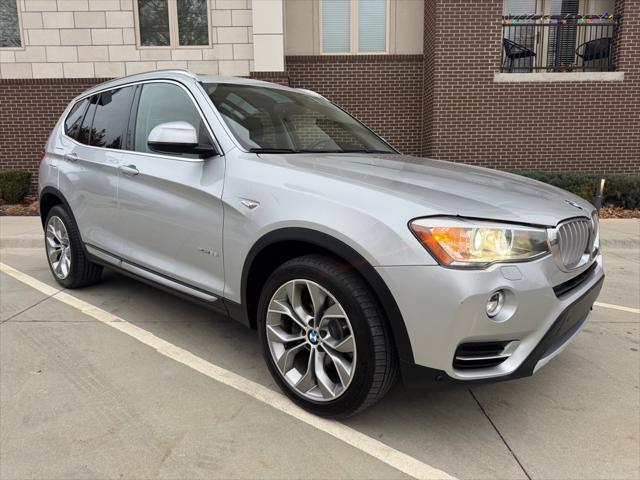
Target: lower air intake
[{"x": 482, "y": 354}]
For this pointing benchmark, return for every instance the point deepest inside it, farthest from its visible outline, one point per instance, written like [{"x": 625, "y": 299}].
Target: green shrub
[
  {"x": 619, "y": 190},
  {"x": 14, "y": 185}
]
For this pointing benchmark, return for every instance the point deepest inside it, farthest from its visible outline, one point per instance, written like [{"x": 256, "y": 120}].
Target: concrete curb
[
  {"x": 22, "y": 242},
  {"x": 620, "y": 243}
]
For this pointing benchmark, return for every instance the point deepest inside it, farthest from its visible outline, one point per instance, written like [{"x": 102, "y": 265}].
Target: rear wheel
[
  {"x": 67, "y": 260},
  {"x": 324, "y": 337}
]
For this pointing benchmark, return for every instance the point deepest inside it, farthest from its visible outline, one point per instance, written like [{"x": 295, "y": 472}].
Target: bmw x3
[{"x": 356, "y": 264}]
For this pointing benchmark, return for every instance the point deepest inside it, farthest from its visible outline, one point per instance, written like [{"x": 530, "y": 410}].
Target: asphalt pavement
[{"x": 101, "y": 383}]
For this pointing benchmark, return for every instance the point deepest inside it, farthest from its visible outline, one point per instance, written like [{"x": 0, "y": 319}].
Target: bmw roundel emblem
[{"x": 313, "y": 337}]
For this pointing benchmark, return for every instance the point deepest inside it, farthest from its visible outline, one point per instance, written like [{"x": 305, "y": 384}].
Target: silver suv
[{"x": 355, "y": 263}]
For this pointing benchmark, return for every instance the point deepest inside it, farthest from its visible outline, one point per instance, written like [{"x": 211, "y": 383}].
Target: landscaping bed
[
  {"x": 28, "y": 207},
  {"x": 609, "y": 211}
]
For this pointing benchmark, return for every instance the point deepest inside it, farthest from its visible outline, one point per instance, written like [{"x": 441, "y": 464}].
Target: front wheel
[{"x": 324, "y": 337}]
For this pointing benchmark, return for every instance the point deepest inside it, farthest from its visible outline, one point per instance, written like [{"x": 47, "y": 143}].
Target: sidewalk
[
  {"x": 620, "y": 233},
  {"x": 21, "y": 232}
]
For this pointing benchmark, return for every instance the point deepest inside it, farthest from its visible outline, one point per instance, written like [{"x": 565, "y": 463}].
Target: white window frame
[
  {"x": 174, "y": 35},
  {"x": 354, "y": 32},
  {"x": 20, "y": 31}
]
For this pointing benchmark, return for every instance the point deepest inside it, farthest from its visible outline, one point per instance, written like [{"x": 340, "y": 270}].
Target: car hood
[{"x": 444, "y": 188}]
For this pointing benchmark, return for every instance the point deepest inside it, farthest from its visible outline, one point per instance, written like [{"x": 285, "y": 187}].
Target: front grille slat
[
  {"x": 574, "y": 241},
  {"x": 570, "y": 245},
  {"x": 575, "y": 246}
]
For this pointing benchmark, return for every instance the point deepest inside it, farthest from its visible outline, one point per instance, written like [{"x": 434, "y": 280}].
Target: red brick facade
[
  {"x": 384, "y": 91},
  {"x": 427, "y": 78},
  {"x": 29, "y": 110},
  {"x": 443, "y": 104},
  {"x": 591, "y": 126}
]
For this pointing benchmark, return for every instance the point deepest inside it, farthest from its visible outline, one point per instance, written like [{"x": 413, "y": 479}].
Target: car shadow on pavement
[
  {"x": 499, "y": 427},
  {"x": 574, "y": 418}
]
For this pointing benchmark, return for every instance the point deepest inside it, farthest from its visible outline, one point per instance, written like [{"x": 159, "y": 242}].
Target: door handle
[
  {"x": 130, "y": 170},
  {"x": 72, "y": 157}
]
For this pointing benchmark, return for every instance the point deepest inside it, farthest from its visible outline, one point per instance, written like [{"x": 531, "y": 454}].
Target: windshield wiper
[
  {"x": 303, "y": 150},
  {"x": 290, "y": 150},
  {"x": 362, "y": 150},
  {"x": 272, "y": 150}
]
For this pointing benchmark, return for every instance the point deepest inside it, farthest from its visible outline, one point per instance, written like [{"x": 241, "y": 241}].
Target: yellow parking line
[{"x": 384, "y": 453}]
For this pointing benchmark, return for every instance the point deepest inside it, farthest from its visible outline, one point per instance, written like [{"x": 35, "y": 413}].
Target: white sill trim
[{"x": 559, "y": 77}]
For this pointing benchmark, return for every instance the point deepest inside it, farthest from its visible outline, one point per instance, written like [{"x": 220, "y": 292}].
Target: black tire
[
  {"x": 82, "y": 272},
  {"x": 376, "y": 365}
]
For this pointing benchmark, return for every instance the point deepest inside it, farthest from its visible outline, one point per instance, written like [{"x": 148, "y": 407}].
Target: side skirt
[{"x": 163, "y": 282}]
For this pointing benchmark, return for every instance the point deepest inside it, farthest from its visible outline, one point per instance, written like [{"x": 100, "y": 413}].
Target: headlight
[{"x": 477, "y": 244}]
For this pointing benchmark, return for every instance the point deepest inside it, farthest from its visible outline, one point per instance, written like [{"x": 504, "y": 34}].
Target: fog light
[{"x": 495, "y": 303}]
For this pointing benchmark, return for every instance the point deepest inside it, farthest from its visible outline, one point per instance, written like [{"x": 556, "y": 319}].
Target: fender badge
[{"x": 209, "y": 252}]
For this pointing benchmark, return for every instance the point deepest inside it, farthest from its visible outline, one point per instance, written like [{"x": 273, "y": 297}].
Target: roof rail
[
  {"x": 177, "y": 70},
  {"x": 310, "y": 92}
]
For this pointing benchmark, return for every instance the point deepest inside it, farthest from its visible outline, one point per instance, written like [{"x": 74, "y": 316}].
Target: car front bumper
[{"x": 444, "y": 308}]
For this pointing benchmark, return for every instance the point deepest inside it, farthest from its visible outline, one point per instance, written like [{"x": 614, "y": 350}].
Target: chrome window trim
[{"x": 139, "y": 82}]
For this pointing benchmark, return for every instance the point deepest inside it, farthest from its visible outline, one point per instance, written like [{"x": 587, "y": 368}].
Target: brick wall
[
  {"x": 444, "y": 104},
  {"x": 384, "y": 91},
  {"x": 30, "y": 110},
  {"x": 591, "y": 126},
  {"x": 281, "y": 78},
  {"x": 430, "y": 22}
]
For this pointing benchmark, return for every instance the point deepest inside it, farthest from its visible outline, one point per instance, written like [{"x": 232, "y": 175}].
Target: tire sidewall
[
  {"x": 360, "y": 385},
  {"x": 77, "y": 254}
]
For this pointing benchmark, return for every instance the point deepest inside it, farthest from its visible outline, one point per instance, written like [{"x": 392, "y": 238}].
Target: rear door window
[
  {"x": 74, "y": 119},
  {"x": 111, "y": 118},
  {"x": 84, "y": 133}
]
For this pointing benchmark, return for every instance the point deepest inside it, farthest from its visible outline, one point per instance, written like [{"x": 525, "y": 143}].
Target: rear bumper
[{"x": 562, "y": 331}]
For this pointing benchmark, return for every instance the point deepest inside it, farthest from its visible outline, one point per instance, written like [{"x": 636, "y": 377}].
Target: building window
[
  {"x": 354, "y": 26},
  {"x": 153, "y": 23},
  {"x": 193, "y": 27},
  {"x": 173, "y": 23},
  {"x": 9, "y": 24},
  {"x": 557, "y": 35}
]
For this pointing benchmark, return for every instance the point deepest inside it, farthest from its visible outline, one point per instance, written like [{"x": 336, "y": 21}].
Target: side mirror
[{"x": 178, "y": 137}]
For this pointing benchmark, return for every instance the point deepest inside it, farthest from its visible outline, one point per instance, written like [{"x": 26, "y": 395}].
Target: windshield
[{"x": 270, "y": 120}]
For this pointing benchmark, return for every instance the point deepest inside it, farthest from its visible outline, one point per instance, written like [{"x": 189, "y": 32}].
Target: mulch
[
  {"x": 29, "y": 207},
  {"x": 609, "y": 211}
]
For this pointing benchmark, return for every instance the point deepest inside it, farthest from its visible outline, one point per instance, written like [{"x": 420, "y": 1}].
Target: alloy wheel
[
  {"x": 311, "y": 340},
  {"x": 58, "y": 248}
]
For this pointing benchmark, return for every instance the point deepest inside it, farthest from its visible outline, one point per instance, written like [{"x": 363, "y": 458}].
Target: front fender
[{"x": 344, "y": 251}]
